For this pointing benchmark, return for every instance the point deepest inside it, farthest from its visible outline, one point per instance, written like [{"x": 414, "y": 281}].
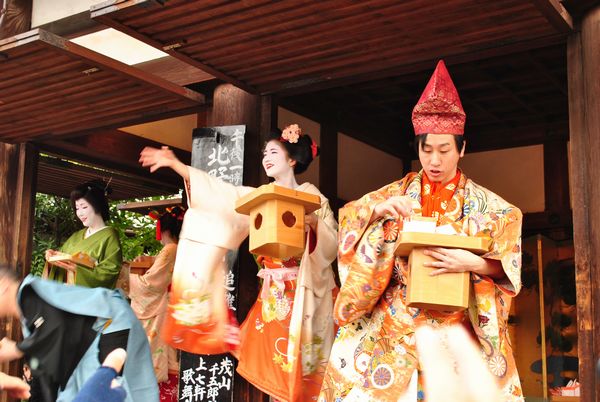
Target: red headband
[{"x": 154, "y": 215}]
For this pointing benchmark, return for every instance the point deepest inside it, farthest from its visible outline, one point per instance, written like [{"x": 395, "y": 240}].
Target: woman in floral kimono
[
  {"x": 374, "y": 356},
  {"x": 288, "y": 333},
  {"x": 149, "y": 298},
  {"x": 96, "y": 239}
]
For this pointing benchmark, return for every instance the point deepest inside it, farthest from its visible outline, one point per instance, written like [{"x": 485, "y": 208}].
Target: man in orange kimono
[{"x": 374, "y": 356}]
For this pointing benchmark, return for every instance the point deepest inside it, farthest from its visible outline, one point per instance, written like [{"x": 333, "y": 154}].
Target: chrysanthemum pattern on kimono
[{"x": 374, "y": 354}]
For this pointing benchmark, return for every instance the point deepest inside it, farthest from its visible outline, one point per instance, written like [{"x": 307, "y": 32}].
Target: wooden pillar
[
  {"x": 232, "y": 106},
  {"x": 328, "y": 161},
  {"x": 583, "y": 54},
  {"x": 556, "y": 176},
  {"x": 204, "y": 117},
  {"x": 18, "y": 169}
]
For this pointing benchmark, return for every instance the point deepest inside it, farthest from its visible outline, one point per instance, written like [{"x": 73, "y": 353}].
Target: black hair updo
[
  {"x": 171, "y": 221},
  {"x": 303, "y": 152},
  {"x": 95, "y": 193}
]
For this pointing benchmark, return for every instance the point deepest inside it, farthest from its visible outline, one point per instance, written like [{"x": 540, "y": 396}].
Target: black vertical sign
[{"x": 220, "y": 152}]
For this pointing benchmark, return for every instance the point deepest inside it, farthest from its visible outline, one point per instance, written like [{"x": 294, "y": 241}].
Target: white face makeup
[
  {"x": 85, "y": 212},
  {"x": 275, "y": 160}
]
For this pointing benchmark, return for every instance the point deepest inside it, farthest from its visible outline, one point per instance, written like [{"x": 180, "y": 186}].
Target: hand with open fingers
[
  {"x": 396, "y": 206},
  {"x": 453, "y": 368},
  {"x": 453, "y": 260},
  {"x": 155, "y": 158},
  {"x": 14, "y": 387}
]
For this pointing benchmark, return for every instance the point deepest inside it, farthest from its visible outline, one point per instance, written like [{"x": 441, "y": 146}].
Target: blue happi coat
[{"x": 112, "y": 313}]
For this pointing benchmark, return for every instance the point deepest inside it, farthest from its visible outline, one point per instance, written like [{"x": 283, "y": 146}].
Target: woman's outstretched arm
[{"x": 155, "y": 158}]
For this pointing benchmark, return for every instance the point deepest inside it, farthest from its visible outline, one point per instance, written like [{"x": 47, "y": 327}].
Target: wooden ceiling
[
  {"x": 363, "y": 64},
  {"x": 52, "y": 87},
  {"x": 267, "y": 46},
  {"x": 510, "y": 101},
  {"x": 59, "y": 177},
  {"x": 112, "y": 153},
  {"x": 360, "y": 65}
]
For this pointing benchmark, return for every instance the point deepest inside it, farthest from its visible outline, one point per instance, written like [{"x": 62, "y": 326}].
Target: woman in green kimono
[{"x": 96, "y": 239}]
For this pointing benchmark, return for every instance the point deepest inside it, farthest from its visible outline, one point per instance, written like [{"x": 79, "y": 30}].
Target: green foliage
[
  {"x": 55, "y": 222},
  {"x": 137, "y": 233}
]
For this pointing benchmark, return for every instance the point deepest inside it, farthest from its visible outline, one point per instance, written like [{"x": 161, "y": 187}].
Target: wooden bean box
[
  {"x": 277, "y": 219},
  {"x": 446, "y": 292}
]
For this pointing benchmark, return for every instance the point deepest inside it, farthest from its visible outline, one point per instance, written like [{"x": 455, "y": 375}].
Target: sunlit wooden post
[
  {"x": 18, "y": 169},
  {"x": 584, "y": 125}
]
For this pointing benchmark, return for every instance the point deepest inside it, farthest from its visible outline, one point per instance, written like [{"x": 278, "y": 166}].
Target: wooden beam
[
  {"x": 583, "y": 60},
  {"x": 174, "y": 70},
  {"x": 317, "y": 84},
  {"x": 114, "y": 150},
  {"x": 99, "y": 11},
  {"x": 150, "y": 117},
  {"x": 60, "y": 100},
  {"x": 556, "y": 14},
  {"x": 73, "y": 25},
  {"x": 130, "y": 72},
  {"x": 144, "y": 207}
]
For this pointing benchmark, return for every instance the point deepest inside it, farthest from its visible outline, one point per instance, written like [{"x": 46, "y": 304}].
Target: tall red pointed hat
[{"x": 439, "y": 110}]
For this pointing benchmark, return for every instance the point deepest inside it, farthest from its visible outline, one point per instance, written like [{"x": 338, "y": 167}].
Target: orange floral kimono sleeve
[{"x": 365, "y": 258}]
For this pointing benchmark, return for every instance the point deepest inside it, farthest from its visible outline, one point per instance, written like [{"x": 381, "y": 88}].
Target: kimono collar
[
  {"x": 454, "y": 209},
  {"x": 435, "y": 197}
]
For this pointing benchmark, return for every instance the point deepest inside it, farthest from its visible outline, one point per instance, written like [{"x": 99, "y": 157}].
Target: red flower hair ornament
[{"x": 292, "y": 133}]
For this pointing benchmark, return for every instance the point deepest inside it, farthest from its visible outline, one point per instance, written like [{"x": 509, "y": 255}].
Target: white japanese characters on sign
[
  {"x": 226, "y": 160},
  {"x": 205, "y": 381}
]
